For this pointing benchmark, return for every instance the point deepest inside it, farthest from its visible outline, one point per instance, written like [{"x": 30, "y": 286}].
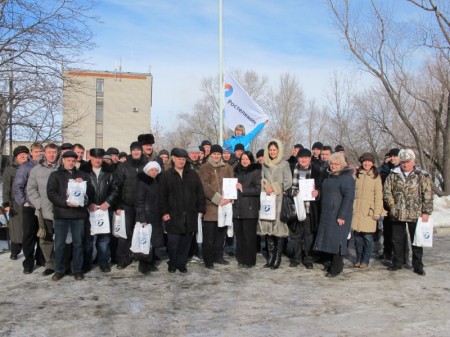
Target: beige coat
[
  {"x": 211, "y": 175},
  {"x": 368, "y": 204},
  {"x": 276, "y": 173}
]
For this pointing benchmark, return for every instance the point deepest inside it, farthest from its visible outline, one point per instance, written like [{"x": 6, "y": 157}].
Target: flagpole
[{"x": 220, "y": 77}]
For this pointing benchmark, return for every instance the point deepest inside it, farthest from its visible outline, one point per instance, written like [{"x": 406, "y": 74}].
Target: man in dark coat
[
  {"x": 31, "y": 251},
  {"x": 302, "y": 232},
  {"x": 106, "y": 196},
  {"x": 68, "y": 215},
  {"x": 126, "y": 176},
  {"x": 181, "y": 199}
]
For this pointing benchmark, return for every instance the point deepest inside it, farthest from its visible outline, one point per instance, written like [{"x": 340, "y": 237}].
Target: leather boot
[
  {"x": 278, "y": 253},
  {"x": 270, "y": 252}
]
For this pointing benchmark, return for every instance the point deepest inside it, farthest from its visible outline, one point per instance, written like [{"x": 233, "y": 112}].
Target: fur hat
[
  {"x": 367, "y": 157},
  {"x": 146, "y": 138},
  {"x": 217, "y": 148},
  {"x": 20, "y": 149},
  {"x": 97, "y": 152},
  {"x": 406, "y": 155}
]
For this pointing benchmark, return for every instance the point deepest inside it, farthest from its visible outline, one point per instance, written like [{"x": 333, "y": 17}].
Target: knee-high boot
[
  {"x": 278, "y": 253},
  {"x": 270, "y": 252}
]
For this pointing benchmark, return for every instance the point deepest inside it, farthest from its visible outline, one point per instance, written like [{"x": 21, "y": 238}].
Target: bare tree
[
  {"x": 286, "y": 109},
  {"x": 385, "y": 48},
  {"x": 38, "y": 39}
]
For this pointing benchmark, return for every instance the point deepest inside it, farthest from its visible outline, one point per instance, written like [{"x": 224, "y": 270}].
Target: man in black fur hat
[{"x": 147, "y": 140}]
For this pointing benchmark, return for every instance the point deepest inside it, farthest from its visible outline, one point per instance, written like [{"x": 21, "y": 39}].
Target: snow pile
[{"x": 441, "y": 212}]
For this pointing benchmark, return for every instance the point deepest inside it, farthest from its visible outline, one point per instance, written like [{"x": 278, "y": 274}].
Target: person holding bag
[
  {"x": 246, "y": 209},
  {"x": 276, "y": 179},
  {"x": 302, "y": 232},
  {"x": 147, "y": 212}
]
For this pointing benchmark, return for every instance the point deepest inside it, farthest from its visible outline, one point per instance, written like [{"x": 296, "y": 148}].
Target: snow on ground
[{"x": 441, "y": 213}]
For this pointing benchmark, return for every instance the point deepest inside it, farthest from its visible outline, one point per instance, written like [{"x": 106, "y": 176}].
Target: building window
[
  {"x": 99, "y": 87},
  {"x": 99, "y": 110}
]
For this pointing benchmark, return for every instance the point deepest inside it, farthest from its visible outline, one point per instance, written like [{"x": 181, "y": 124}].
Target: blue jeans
[
  {"x": 61, "y": 228},
  {"x": 363, "y": 246}
]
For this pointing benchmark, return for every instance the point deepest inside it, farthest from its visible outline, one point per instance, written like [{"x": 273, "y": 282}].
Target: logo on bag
[
  {"x": 77, "y": 193},
  {"x": 100, "y": 222},
  {"x": 267, "y": 208},
  {"x": 116, "y": 228},
  {"x": 143, "y": 239},
  {"x": 427, "y": 235}
]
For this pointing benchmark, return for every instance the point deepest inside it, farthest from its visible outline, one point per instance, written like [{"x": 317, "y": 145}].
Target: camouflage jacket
[{"x": 408, "y": 197}]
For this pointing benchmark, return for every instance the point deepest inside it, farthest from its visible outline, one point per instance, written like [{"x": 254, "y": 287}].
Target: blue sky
[{"x": 177, "y": 40}]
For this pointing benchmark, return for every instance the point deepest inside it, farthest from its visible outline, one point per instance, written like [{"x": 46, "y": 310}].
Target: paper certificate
[
  {"x": 229, "y": 188},
  {"x": 306, "y": 186}
]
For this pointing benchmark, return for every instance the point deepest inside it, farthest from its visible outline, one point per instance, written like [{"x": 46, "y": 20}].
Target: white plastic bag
[
  {"x": 225, "y": 216},
  {"x": 200, "y": 229},
  {"x": 423, "y": 237},
  {"x": 140, "y": 243},
  {"x": 268, "y": 207},
  {"x": 99, "y": 222},
  {"x": 76, "y": 191},
  {"x": 119, "y": 227},
  {"x": 300, "y": 207}
]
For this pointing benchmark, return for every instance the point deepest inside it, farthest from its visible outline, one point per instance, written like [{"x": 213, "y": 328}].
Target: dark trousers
[
  {"x": 124, "y": 254},
  {"x": 245, "y": 233},
  {"x": 387, "y": 237},
  {"x": 302, "y": 240},
  {"x": 193, "y": 250},
  {"x": 337, "y": 263},
  {"x": 30, "y": 243},
  {"x": 102, "y": 244},
  {"x": 213, "y": 241},
  {"x": 178, "y": 248},
  {"x": 61, "y": 227},
  {"x": 398, "y": 242}
]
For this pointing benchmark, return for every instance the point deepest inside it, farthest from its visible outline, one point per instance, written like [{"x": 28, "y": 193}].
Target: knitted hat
[
  {"x": 238, "y": 147},
  {"x": 163, "y": 151},
  {"x": 66, "y": 146},
  {"x": 122, "y": 154},
  {"x": 150, "y": 165},
  {"x": 205, "y": 142},
  {"x": 192, "y": 148},
  {"x": 394, "y": 152},
  {"x": 135, "y": 146},
  {"x": 317, "y": 145},
  {"x": 217, "y": 148}
]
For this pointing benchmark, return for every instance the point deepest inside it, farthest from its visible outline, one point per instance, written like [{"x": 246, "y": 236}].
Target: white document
[
  {"x": 229, "y": 188},
  {"x": 306, "y": 186}
]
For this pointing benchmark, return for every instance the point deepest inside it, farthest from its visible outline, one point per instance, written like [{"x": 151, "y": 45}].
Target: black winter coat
[
  {"x": 146, "y": 205},
  {"x": 247, "y": 205},
  {"x": 126, "y": 176},
  {"x": 57, "y": 193},
  {"x": 182, "y": 198},
  {"x": 105, "y": 186}
]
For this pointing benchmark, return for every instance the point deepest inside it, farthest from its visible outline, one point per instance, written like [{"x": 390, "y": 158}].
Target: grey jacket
[
  {"x": 20, "y": 183},
  {"x": 37, "y": 188}
]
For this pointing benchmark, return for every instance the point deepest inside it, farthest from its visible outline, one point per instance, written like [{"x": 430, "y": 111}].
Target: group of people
[{"x": 181, "y": 194}]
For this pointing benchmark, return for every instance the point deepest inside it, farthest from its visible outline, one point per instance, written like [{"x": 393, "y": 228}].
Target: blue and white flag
[{"x": 240, "y": 108}]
